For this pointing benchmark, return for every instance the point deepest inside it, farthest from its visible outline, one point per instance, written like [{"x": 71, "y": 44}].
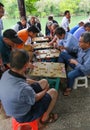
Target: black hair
[
  {"x": 18, "y": 58},
  {"x": 50, "y": 18},
  {"x": 67, "y": 11},
  {"x": 33, "y": 29},
  {"x": 87, "y": 24},
  {"x": 60, "y": 31},
  {"x": 1, "y": 5},
  {"x": 86, "y": 37}
]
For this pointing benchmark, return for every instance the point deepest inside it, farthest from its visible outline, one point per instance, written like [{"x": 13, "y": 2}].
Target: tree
[
  {"x": 48, "y": 7},
  {"x": 84, "y": 6},
  {"x": 71, "y": 5},
  {"x": 30, "y": 6}
]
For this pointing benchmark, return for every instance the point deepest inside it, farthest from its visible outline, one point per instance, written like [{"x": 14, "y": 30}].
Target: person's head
[
  {"x": 33, "y": 20},
  {"x": 33, "y": 31},
  {"x": 1, "y": 10},
  {"x": 54, "y": 26},
  {"x": 60, "y": 32},
  {"x": 49, "y": 24},
  {"x": 84, "y": 40},
  {"x": 67, "y": 14},
  {"x": 11, "y": 38},
  {"x": 81, "y": 23},
  {"x": 19, "y": 60},
  {"x": 50, "y": 18},
  {"x": 23, "y": 20},
  {"x": 87, "y": 26}
]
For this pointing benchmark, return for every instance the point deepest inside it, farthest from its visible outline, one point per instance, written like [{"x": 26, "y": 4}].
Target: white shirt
[
  {"x": 65, "y": 23},
  {"x": 1, "y": 27}
]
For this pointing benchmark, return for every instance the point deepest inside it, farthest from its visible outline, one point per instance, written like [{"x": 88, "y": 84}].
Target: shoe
[
  {"x": 67, "y": 92},
  {"x": 51, "y": 119}
]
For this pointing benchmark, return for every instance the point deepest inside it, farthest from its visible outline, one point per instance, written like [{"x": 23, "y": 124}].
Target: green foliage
[
  {"x": 43, "y": 8},
  {"x": 30, "y": 6},
  {"x": 71, "y": 5}
]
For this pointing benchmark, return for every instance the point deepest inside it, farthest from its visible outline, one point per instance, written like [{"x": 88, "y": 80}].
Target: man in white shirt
[
  {"x": 66, "y": 20},
  {"x": 1, "y": 15}
]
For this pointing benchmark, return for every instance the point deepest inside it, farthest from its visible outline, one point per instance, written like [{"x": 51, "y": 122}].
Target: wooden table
[
  {"x": 51, "y": 71},
  {"x": 47, "y": 53},
  {"x": 40, "y": 39},
  {"x": 43, "y": 45}
]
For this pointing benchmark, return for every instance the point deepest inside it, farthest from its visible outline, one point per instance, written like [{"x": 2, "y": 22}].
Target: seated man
[
  {"x": 27, "y": 34},
  {"x": 21, "y": 24},
  {"x": 82, "y": 29},
  {"x": 73, "y": 29},
  {"x": 80, "y": 65},
  {"x": 8, "y": 41},
  {"x": 66, "y": 40},
  {"x": 25, "y": 99}
]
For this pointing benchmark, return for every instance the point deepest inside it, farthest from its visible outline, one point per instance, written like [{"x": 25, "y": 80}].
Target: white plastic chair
[{"x": 84, "y": 82}]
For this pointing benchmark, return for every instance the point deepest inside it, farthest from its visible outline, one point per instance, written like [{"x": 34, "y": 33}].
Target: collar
[{"x": 16, "y": 74}]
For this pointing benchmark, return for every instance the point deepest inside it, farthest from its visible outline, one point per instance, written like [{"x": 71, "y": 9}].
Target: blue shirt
[
  {"x": 69, "y": 41},
  {"x": 83, "y": 61},
  {"x": 72, "y": 30},
  {"x": 5, "y": 51},
  {"x": 78, "y": 32},
  {"x": 83, "y": 58},
  {"x": 16, "y": 95}
]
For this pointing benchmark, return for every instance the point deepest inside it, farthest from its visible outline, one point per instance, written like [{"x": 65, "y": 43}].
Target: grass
[{"x": 9, "y": 23}]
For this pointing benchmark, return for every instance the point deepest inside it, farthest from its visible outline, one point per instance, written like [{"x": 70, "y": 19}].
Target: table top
[
  {"x": 47, "y": 53},
  {"x": 43, "y": 45},
  {"x": 49, "y": 69},
  {"x": 39, "y": 39}
]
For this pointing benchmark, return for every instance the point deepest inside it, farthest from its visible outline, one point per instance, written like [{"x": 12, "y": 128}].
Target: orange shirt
[{"x": 23, "y": 34}]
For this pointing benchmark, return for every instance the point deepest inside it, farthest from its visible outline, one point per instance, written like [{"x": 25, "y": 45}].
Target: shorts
[{"x": 39, "y": 108}]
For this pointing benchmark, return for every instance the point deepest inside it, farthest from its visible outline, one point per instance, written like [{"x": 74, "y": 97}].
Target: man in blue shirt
[
  {"x": 66, "y": 40},
  {"x": 25, "y": 99},
  {"x": 82, "y": 29},
  {"x": 8, "y": 41},
  {"x": 72, "y": 30},
  {"x": 80, "y": 65}
]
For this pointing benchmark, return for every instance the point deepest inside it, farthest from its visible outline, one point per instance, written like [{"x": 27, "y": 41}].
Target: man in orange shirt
[{"x": 26, "y": 34}]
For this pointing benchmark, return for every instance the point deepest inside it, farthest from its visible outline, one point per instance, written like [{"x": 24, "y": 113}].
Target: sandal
[
  {"x": 52, "y": 118},
  {"x": 67, "y": 92}
]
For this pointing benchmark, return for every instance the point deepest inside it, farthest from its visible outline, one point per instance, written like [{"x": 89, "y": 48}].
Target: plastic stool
[
  {"x": 54, "y": 82},
  {"x": 31, "y": 125},
  {"x": 77, "y": 84}
]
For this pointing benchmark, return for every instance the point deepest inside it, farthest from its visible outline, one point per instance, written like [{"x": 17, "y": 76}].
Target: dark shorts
[{"x": 39, "y": 108}]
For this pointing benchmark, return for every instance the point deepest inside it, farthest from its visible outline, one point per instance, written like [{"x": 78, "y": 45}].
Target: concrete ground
[{"x": 73, "y": 111}]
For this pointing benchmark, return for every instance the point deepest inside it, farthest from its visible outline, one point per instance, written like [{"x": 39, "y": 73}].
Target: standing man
[
  {"x": 1, "y": 15},
  {"x": 66, "y": 20}
]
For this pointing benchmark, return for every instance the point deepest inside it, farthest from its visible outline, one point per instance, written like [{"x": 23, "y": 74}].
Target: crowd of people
[{"x": 27, "y": 99}]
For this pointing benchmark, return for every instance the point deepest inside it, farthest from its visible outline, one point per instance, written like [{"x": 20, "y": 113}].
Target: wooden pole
[{"x": 21, "y": 7}]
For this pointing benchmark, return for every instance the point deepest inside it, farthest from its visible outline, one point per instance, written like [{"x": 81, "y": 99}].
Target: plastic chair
[
  {"x": 24, "y": 126},
  {"x": 54, "y": 83},
  {"x": 84, "y": 82}
]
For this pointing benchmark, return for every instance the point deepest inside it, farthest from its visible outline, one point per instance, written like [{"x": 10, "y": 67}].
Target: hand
[
  {"x": 50, "y": 43},
  {"x": 62, "y": 48},
  {"x": 73, "y": 61}
]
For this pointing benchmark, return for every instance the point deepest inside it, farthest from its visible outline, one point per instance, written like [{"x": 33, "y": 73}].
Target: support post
[{"x": 21, "y": 7}]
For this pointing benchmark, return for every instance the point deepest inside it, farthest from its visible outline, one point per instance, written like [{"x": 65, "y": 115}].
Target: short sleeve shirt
[
  {"x": 16, "y": 95},
  {"x": 5, "y": 51}
]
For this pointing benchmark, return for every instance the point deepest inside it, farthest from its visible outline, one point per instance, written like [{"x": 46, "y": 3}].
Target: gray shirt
[{"x": 16, "y": 95}]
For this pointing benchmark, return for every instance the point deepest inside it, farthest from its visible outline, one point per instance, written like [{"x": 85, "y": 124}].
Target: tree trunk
[{"x": 21, "y": 7}]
